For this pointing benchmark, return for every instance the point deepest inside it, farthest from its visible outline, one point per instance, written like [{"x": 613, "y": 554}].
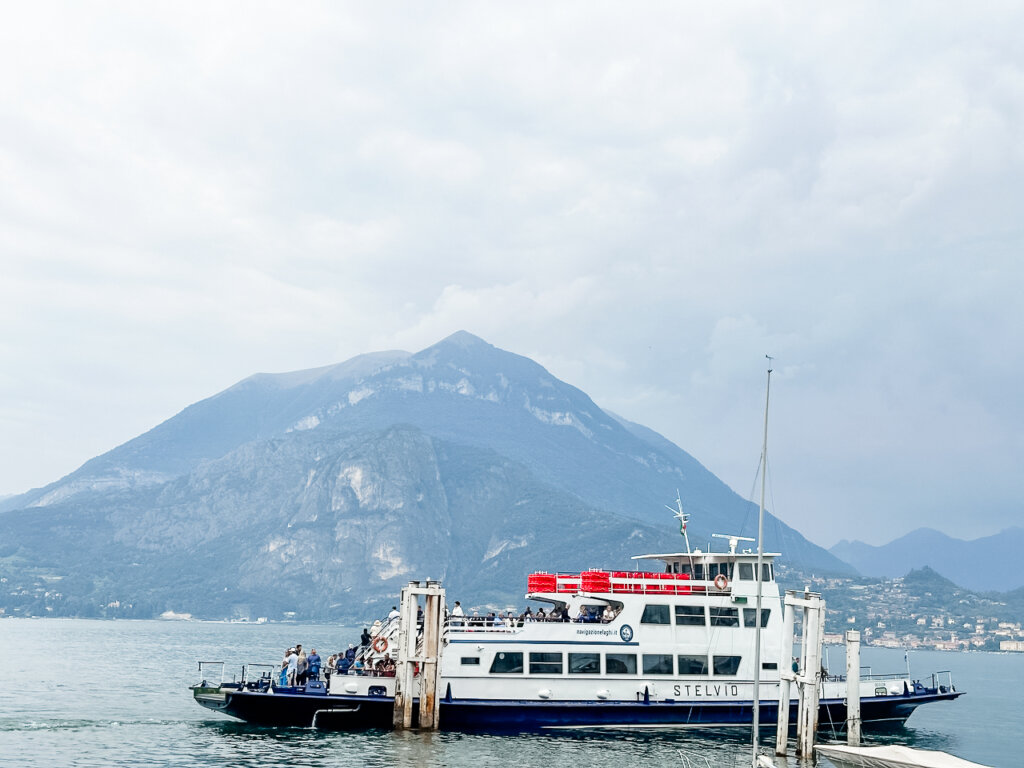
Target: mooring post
[
  {"x": 814, "y": 626},
  {"x": 405, "y": 664},
  {"x": 415, "y": 655},
  {"x": 401, "y": 685},
  {"x": 853, "y": 687},
  {"x": 786, "y": 675},
  {"x": 430, "y": 666}
]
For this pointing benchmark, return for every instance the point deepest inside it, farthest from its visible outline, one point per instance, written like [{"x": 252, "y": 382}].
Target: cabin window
[
  {"x": 746, "y": 571},
  {"x": 470, "y": 661},
  {"x": 545, "y": 663},
  {"x": 657, "y": 663},
  {"x": 507, "y": 662},
  {"x": 749, "y": 617},
  {"x": 727, "y": 665},
  {"x": 690, "y": 615},
  {"x": 724, "y": 617},
  {"x": 770, "y": 665},
  {"x": 766, "y": 571},
  {"x": 719, "y": 568},
  {"x": 698, "y": 571},
  {"x": 693, "y": 665},
  {"x": 584, "y": 664},
  {"x": 620, "y": 664},
  {"x": 655, "y": 614}
]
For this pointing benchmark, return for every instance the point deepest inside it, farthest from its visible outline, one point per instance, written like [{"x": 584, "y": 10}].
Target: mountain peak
[
  {"x": 458, "y": 344},
  {"x": 463, "y": 339}
]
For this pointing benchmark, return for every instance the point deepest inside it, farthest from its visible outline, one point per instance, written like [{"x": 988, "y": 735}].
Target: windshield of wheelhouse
[{"x": 746, "y": 571}]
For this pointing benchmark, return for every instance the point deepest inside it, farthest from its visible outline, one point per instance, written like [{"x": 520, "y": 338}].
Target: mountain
[
  {"x": 319, "y": 493},
  {"x": 987, "y": 564}
]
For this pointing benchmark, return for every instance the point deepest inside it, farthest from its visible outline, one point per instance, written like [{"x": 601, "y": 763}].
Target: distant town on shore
[{"x": 920, "y": 610}]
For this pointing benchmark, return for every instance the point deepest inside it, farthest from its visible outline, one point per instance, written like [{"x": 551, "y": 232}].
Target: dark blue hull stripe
[{"x": 362, "y": 712}]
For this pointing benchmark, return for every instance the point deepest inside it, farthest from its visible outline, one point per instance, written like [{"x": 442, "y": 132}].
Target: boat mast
[
  {"x": 683, "y": 519},
  {"x": 758, "y": 576}
]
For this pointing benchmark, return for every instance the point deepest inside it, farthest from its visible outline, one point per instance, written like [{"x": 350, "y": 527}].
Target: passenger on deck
[
  {"x": 314, "y": 665},
  {"x": 282, "y": 675},
  {"x": 495, "y": 621},
  {"x": 343, "y": 665},
  {"x": 608, "y": 615},
  {"x": 526, "y": 616},
  {"x": 393, "y": 614},
  {"x": 565, "y": 613},
  {"x": 359, "y": 668},
  {"x": 541, "y": 616},
  {"x": 510, "y": 620},
  {"x": 457, "y": 615},
  {"x": 291, "y": 661},
  {"x": 302, "y": 668},
  {"x": 365, "y": 639}
]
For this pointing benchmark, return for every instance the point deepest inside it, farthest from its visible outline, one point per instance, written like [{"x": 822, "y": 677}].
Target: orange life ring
[
  {"x": 380, "y": 644},
  {"x": 721, "y": 582}
]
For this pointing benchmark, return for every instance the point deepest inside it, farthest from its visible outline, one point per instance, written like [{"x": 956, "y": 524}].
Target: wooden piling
[
  {"x": 786, "y": 676},
  {"x": 810, "y": 678},
  {"x": 418, "y": 667},
  {"x": 853, "y": 688}
]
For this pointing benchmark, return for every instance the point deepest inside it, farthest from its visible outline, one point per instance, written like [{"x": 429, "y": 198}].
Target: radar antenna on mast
[
  {"x": 682, "y": 517},
  {"x": 733, "y": 540}
]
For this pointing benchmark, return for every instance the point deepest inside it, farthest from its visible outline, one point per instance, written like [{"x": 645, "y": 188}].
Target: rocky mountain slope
[{"x": 319, "y": 493}]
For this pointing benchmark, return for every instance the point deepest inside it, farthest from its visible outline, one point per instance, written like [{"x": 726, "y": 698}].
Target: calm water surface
[{"x": 114, "y": 693}]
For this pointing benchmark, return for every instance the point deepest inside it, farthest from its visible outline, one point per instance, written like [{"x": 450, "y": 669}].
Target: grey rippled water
[{"x": 114, "y": 693}]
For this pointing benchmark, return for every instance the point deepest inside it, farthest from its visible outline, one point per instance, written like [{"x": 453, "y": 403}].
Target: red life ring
[
  {"x": 380, "y": 644},
  {"x": 721, "y": 582}
]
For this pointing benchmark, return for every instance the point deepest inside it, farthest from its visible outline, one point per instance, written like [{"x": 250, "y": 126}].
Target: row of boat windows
[
  {"x": 696, "y": 616},
  {"x": 708, "y": 571},
  {"x": 547, "y": 663}
]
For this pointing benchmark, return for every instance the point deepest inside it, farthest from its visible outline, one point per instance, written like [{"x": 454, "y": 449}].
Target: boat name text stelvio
[{"x": 701, "y": 690}]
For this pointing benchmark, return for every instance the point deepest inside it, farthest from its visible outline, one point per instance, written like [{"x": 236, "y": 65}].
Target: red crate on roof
[
  {"x": 541, "y": 582},
  {"x": 621, "y": 581},
  {"x": 668, "y": 584},
  {"x": 595, "y": 581},
  {"x": 568, "y": 582},
  {"x": 652, "y": 583}
]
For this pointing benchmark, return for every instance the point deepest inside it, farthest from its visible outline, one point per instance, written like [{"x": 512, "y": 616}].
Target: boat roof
[{"x": 671, "y": 556}]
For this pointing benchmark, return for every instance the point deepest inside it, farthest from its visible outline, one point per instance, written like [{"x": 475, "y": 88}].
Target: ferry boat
[
  {"x": 668, "y": 645},
  {"x": 695, "y": 639}
]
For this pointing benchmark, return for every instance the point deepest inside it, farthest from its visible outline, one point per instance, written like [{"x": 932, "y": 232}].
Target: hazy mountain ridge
[
  {"x": 322, "y": 491},
  {"x": 988, "y": 563}
]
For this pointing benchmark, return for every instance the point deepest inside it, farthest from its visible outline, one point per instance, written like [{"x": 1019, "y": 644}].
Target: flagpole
[{"x": 758, "y": 574}]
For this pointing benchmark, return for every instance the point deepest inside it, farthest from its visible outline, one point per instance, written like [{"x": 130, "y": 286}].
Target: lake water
[{"x": 114, "y": 693}]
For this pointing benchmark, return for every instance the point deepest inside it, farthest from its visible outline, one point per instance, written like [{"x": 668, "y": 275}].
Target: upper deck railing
[{"x": 625, "y": 583}]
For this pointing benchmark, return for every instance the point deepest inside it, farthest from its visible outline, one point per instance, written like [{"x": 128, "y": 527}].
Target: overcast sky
[{"x": 644, "y": 198}]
